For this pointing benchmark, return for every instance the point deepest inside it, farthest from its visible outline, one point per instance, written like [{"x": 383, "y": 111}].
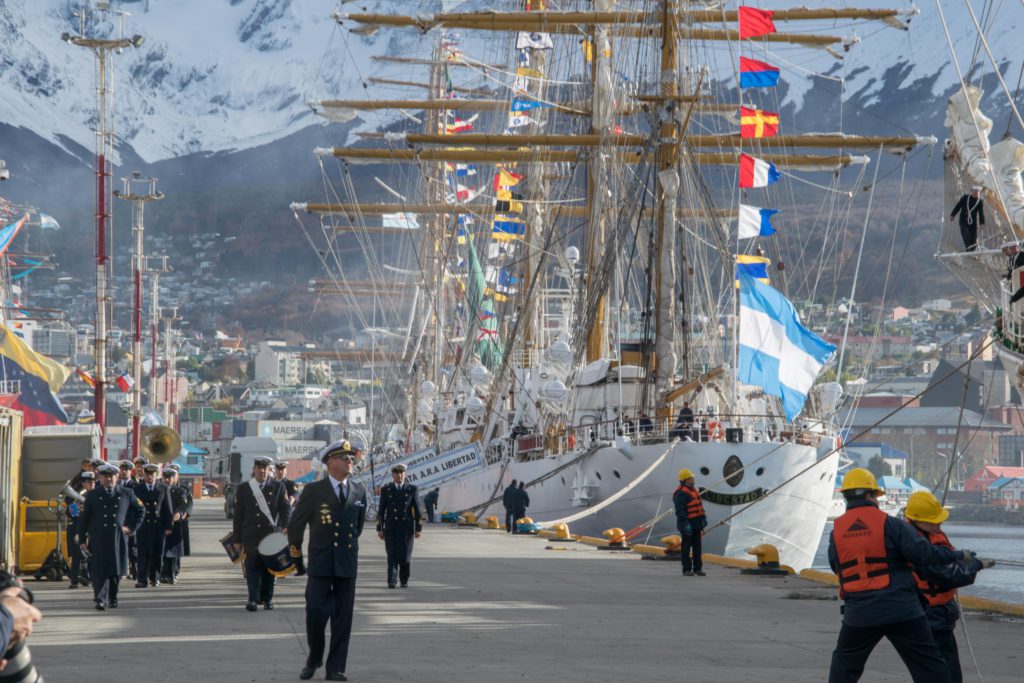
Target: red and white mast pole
[{"x": 95, "y": 20}]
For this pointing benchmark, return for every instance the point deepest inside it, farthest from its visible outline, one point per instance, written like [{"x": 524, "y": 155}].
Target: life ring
[{"x": 715, "y": 432}]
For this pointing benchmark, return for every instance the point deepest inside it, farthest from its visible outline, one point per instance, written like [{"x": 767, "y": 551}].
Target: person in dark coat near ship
[
  {"x": 508, "y": 500},
  {"x": 971, "y": 208},
  {"x": 133, "y": 548},
  {"x": 873, "y": 556},
  {"x": 253, "y": 521},
  {"x": 520, "y": 501},
  {"x": 430, "y": 503},
  {"x": 79, "y": 570},
  {"x": 691, "y": 522},
  {"x": 334, "y": 509},
  {"x": 938, "y": 583},
  {"x": 399, "y": 522},
  {"x": 181, "y": 506},
  {"x": 156, "y": 526},
  {"x": 111, "y": 514}
]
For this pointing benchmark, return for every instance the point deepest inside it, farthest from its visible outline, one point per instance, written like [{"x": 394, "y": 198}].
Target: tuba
[{"x": 160, "y": 444}]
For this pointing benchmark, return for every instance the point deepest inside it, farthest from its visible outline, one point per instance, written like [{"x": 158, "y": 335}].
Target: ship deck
[{"x": 482, "y": 606}]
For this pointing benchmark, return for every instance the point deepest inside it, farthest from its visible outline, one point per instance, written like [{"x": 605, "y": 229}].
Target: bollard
[
  {"x": 559, "y": 532},
  {"x": 489, "y": 522},
  {"x": 767, "y": 561}
]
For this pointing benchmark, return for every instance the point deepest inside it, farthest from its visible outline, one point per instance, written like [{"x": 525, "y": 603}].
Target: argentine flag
[{"x": 777, "y": 352}]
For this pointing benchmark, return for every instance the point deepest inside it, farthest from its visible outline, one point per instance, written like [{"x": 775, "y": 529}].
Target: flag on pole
[
  {"x": 85, "y": 377},
  {"x": 526, "y": 105},
  {"x": 519, "y": 120},
  {"x": 756, "y": 172},
  {"x": 48, "y": 222},
  {"x": 755, "y": 22},
  {"x": 505, "y": 179},
  {"x": 755, "y": 123},
  {"x": 37, "y": 377},
  {"x": 777, "y": 352},
  {"x": 752, "y": 266},
  {"x": 755, "y": 74},
  {"x": 536, "y": 41},
  {"x": 124, "y": 382},
  {"x": 755, "y": 221}
]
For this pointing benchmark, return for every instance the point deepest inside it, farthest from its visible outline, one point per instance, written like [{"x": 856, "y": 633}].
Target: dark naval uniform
[
  {"x": 176, "y": 544},
  {"x": 100, "y": 527},
  {"x": 151, "y": 537},
  {"x": 78, "y": 576},
  {"x": 251, "y": 526},
  {"x": 133, "y": 548},
  {"x": 399, "y": 518},
  {"x": 335, "y": 523}
]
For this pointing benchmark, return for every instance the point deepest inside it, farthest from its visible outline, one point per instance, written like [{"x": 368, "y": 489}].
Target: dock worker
[
  {"x": 873, "y": 554},
  {"x": 157, "y": 525},
  {"x": 79, "y": 570},
  {"x": 520, "y": 502},
  {"x": 261, "y": 507},
  {"x": 111, "y": 514},
  {"x": 938, "y": 583},
  {"x": 334, "y": 509},
  {"x": 508, "y": 501},
  {"x": 971, "y": 208},
  {"x": 176, "y": 546},
  {"x": 690, "y": 521},
  {"x": 399, "y": 523},
  {"x": 430, "y": 503}
]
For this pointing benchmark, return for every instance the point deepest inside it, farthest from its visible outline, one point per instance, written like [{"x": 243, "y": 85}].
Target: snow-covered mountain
[{"x": 221, "y": 75}]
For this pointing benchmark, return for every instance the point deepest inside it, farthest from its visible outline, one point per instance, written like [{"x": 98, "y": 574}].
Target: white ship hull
[{"x": 792, "y": 519}]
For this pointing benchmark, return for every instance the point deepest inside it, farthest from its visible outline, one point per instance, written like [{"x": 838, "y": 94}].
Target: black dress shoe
[
  {"x": 140, "y": 584},
  {"x": 698, "y": 572},
  {"x": 405, "y": 585},
  {"x": 74, "y": 585},
  {"x": 250, "y": 606},
  {"x": 154, "y": 583},
  {"x": 307, "y": 672},
  {"x": 100, "y": 606},
  {"x": 391, "y": 585},
  {"x": 113, "y": 604},
  {"x": 268, "y": 605},
  {"x": 337, "y": 676}
]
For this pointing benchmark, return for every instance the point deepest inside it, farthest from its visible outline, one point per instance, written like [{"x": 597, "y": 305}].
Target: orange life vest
[
  {"x": 859, "y": 537},
  {"x": 932, "y": 593},
  {"x": 695, "y": 508}
]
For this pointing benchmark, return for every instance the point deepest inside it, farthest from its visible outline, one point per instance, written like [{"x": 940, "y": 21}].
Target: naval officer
[
  {"x": 111, "y": 514},
  {"x": 261, "y": 507},
  {"x": 399, "y": 521},
  {"x": 157, "y": 525},
  {"x": 335, "y": 510}
]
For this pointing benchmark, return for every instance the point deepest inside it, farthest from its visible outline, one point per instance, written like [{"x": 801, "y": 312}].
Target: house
[
  {"x": 896, "y": 491},
  {"x": 1008, "y": 491},
  {"x": 981, "y": 479},
  {"x": 862, "y": 452}
]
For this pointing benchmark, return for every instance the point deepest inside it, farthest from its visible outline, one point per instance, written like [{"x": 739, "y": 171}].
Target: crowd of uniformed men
[{"x": 130, "y": 519}]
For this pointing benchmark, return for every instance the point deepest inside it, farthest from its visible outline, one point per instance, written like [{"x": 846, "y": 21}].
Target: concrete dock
[{"x": 481, "y": 606}]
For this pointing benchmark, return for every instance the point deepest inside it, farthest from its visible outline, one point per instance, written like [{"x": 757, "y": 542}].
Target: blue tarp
[
  {"x": 915, "y": 485},
  {"x": 892, "y": 484}
]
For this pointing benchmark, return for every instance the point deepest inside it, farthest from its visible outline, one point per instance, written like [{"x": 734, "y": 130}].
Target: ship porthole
[
  {"x": 760, "y": 471},
  {"x": 705, "y": 471},
  {"x": 598, "y": 475},
  {"x": 617, "y": 475}
]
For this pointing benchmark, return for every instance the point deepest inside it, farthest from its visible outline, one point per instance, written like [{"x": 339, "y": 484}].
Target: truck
[{"x": 236, "y": 468}]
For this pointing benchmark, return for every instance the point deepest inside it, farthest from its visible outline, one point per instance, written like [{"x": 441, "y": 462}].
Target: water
[{"x": 988, "y": 540}]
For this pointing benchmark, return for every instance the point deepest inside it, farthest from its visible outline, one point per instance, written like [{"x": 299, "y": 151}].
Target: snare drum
[{"x": 274, "y": 552}]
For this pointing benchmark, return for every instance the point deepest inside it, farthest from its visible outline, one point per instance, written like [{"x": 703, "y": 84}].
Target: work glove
[
  {"x": 703, "y": 523},
  {"x": 987, "y": 563}
]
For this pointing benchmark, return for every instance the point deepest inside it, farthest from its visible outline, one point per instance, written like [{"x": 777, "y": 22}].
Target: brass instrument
[{"x": 160, "y": 444}]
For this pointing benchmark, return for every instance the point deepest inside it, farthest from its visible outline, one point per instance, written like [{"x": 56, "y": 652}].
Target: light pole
[
  {"x": 95, "y": 19},
  {"x": 138, "y": 200}
]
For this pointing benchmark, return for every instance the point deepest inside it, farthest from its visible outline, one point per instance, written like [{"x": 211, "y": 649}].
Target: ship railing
[{"x": 720, "y": 428}]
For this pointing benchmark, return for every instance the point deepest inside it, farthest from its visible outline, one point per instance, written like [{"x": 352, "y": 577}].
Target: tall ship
[{"x": 568, "y": 264}]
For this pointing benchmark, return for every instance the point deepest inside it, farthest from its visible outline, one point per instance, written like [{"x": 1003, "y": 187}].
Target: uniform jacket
[
  {"x": 181, "y": 503},
  {"x": 509, "y": 496},
  {"x": 100, "y": 526},
  {"x": 334, "y": 528},
  {"x": 946, "y": 576},
  {"x": 398, "y": 513},
  {"x": 430, "y": 500},
  {"x": 158, "y": 513},
  {"x": 899, "y": 601},
  {"x": 250, "y": 525},
  {"x": 520, "y": 501}
]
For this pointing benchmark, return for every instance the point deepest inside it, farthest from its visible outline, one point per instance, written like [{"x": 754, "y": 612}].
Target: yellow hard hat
[
  {"x": 923, "y": 506},
  {"x": 685, "y": 474},
  {"x": 860, "y": 478}
]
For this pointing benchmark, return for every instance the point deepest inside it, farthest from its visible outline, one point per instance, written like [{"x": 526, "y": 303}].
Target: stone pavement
[{"x": 482, "y": 607}]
